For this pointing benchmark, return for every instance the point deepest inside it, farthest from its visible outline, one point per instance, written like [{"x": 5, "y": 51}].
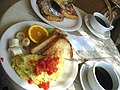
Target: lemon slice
[{"x": 37, "y": 33}]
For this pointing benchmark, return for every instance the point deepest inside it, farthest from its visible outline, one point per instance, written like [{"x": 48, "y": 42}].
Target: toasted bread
[
  {"x": 60, "y": 47},
  {"x": 37, "y": 47}
]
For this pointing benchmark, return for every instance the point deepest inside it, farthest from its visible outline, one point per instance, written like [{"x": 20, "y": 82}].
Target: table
[{"x": 22, "y": 11}]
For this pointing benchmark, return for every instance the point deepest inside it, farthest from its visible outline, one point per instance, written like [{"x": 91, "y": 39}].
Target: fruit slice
[
  {"x": 20, "y": 35},
  {"x": 26, "y": 42},
  {"x": 37, "y": 33}
]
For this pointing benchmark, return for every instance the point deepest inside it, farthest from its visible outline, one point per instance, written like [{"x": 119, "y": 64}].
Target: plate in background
[{"x": 65, "y": 25}]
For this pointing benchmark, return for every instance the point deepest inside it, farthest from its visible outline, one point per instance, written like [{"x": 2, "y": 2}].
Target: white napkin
[{"x": 81, "y": 43}]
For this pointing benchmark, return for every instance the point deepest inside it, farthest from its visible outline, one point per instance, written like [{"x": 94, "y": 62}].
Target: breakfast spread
[
  {"x": 56, "y": 10},
  {"x": 37, "y": 56},
  {"x": 44, "y": 60}
]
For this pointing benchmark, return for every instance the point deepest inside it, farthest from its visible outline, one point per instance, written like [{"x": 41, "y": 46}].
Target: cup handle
[{"x": 111, "y": 27}]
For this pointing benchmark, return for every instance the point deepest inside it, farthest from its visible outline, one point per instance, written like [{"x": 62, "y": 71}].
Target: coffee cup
[
  {"x": 100, "y": 23},
  {"x": 102, "y": 76}
]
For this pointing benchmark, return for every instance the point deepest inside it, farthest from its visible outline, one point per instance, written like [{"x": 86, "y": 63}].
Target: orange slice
[{"x": 37, "y": 33}]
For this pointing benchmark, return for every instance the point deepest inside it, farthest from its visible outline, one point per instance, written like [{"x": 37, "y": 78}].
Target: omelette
[{"x": 23, "y": 67}]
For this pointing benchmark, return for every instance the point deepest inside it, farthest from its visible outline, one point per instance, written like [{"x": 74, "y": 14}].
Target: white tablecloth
[{"x": 22, "y": 11}]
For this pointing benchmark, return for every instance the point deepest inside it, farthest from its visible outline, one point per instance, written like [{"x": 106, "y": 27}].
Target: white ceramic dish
[
  {"x": 94, "y": 80},
  {"x": 99, "y": 35},
  {"x": 66, "y": 25},
  {"x": 83, "y": 74},
  {"x": 64, "y": 82}
]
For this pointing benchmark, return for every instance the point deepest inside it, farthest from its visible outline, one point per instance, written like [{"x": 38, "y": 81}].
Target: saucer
[
  {"x": 106, "y": 35},
  {"x": 83, "y": 74}
]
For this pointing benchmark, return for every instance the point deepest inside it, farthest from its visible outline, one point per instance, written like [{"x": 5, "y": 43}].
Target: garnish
[
  {"x": 30, "y": 81},
  {"x": 47, "y": 64},
  {"x": 37, "y": 33},
  {"x": 45, "y": 85}
]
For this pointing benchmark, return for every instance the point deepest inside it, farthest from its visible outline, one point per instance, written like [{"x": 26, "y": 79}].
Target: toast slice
[
  {"x": 37, "y": 47},
  {"x": 60, "y": 47}
]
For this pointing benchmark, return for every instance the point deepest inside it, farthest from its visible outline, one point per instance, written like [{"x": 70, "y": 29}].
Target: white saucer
[
  {"x": 83, "y": 74},
  {"x": 97, "y": 34}
]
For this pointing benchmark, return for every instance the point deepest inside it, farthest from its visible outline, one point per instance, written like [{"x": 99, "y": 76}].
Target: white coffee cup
[
  {"x": 100, "y": 23},
  {"x": 102, "y": 75}
]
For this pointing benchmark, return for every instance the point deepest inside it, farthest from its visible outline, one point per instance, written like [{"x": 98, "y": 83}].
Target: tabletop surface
[{"x": 104, "y": 49}]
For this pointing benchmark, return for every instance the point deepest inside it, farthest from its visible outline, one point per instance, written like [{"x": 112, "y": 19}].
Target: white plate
[
  {"x": 99, "y": 35},
  {"x": 64, "y": 82},
  {"x": 83, "y": 74},
  {"x": 66, "y": 25}
]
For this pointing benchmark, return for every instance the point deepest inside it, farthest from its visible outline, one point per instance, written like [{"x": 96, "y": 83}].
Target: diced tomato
[
  {"x": 39, "y": 62},
  {"x": 38, "y": 71},
  {"x": 45, "y": 85},
  {"x": 55, "y": 69},
  {"x": 43, "y": 65},
  {"x": 31, "y": 61},
  {"x": 49, "y": 72},
  {"x": 51, "y": 64},
  {"x": 47, "y": 64},
  {"x": 30, "y": 81},
  {"x": 56, "y": 60}
]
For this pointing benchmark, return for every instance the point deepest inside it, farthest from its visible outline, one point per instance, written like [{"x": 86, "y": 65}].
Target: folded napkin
[
  {"x": 86, "y": 48},
  {"x": 81, "y": 43}
]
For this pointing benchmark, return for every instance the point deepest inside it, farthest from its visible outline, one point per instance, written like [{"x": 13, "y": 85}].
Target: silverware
[{"x": 83, "y": 60}]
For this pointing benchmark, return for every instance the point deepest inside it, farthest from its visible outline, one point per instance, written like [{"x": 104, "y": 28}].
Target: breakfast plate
[
  {"x": 69, "y": 73},
  {"x": 83, "y": 74},
  {"x": 106, "y": 35},
  {"x": 65, "y": 25}
]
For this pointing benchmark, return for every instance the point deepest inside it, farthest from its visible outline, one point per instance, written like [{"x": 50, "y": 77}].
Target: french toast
[
  {"x": 65, "y": 8},
  {"x": 56, "y": 10},
  {"x": 37, "y": 47},
  {"x": 48, "y": 12}
]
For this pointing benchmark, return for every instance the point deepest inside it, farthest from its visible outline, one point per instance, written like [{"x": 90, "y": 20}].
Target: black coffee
[
  {"x": 101, "y": 21},
  {"x": 104, "y": 78}
]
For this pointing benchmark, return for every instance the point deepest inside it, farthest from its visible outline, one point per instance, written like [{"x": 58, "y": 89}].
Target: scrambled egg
[{"x": 26, "y": 71}]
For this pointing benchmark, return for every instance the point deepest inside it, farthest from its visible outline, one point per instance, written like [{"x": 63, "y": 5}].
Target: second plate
[{"x": 65, "y": 25}]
